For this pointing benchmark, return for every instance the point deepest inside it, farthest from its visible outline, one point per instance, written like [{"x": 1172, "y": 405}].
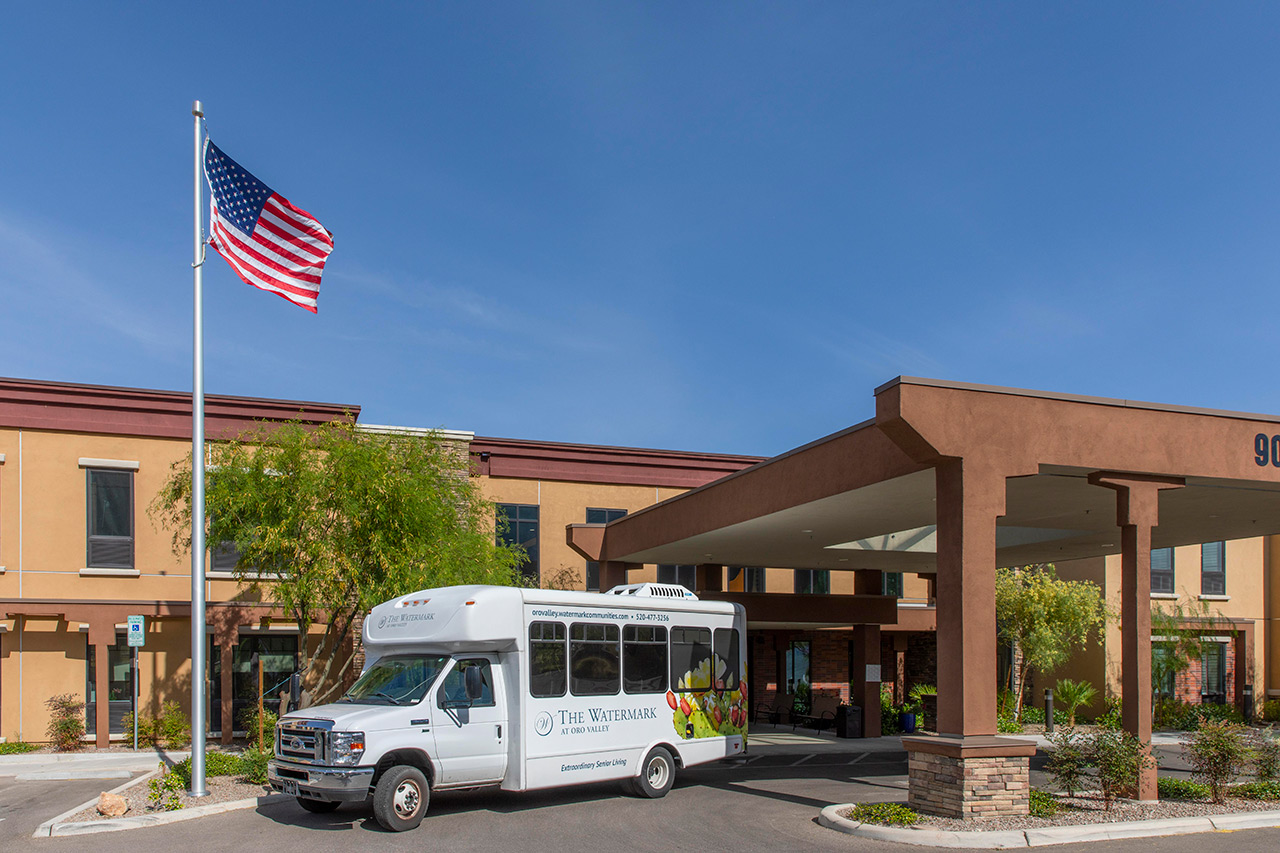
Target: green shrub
[
  {"x": 1257, "y": 791},
  {"x": 1032, "y": 715},
  {"x": 66, "y": 725},
  {"x": 1217, "y": 753},
  {"x": 892, "y": 814},
  {"x": 1118, "y": 759},
  {"x": 1043, "y": 804},
  {"x": 1271, "y": 710},
  {"x": 215, "y": 764},
  {"x": 249, "y": 722},
  {"x": 1007, "y": 724},
  {"x": 1266, "y": 755},
  {"x": 1197, "y": 715},
  {"x": 1071, "y": 695},
  {"x": 1068, "y": 759},
  {"x": 1181, "y": 789},
  {"x": 165, "y": 791},
  {"x": 253, "y": 765},
  {"x": 1113, "y": 717},
  {"x": 172, "y": 726},
  {"x": 16, "y": 747},
  {"x": 889, "y": 723},
  {"x": 146, "y": 729}
]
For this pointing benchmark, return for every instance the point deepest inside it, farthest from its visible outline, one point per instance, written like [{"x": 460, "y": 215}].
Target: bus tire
[
  {"x": 657, "y": 772},
  {"x": 317, "y": 806},
  {"x": 400, "y": 798}
]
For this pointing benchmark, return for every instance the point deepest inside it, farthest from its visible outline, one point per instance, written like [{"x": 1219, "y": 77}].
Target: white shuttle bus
[{"x": 474, "y": 686}]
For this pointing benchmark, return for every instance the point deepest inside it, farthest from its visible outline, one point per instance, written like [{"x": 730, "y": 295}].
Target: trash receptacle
[{"x": 848, "y": 721}]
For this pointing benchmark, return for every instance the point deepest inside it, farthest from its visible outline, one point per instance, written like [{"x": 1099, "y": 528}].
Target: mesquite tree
[
  {"x": 1045, "y": 618},
  {"x": 331, "y": 520}
]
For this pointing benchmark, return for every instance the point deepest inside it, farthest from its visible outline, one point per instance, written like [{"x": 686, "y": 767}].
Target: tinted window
[
  {"x": 690, "y": 659},
  {"x": 727, "y": 662},
  {"x": 547, "y": 656},
  {"x": 454, "y": 686},
  {"x": 593, "y": 659},
  {"x": 644, "y": 659}
]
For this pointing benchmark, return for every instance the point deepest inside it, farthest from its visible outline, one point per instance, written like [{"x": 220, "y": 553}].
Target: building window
[
  {"x": 279, "y": 656},
  {"x": 797, "y": 667},
  {"x": 891, "y": 584},
  {"x": 682, "y": 575},
  {"x": 110, "y": 519},
  {"x": 1162, "y": 674},
  {"x": 1213, "y": 568},
  {"x": 119, "y": 686},
  {"x": 1162, "y": 570},
  {"x": 1213, "y": 674},
  {"x": 746, "y": 579},
  {"x": 813, "y": 581},
  {"x": 599, "y": 516},
  {"x": 518, "y": 525}
]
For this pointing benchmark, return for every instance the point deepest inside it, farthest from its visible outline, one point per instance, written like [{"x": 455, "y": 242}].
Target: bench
[
  {"x": 822, "y": 713},
  {"x": 772, "y": 712}
]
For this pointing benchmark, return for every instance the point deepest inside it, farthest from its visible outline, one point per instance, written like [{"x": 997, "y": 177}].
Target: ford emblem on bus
[{"x": 296, "y": 743}]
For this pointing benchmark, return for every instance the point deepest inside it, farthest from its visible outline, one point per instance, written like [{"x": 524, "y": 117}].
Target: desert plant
[
  {"x": 1043, "y": 804},
  {"x": 1118, "y": 759},
  {"x": 1197, "y": 715},
  {"x": 66, "y": 725},
  {"x": 1266, "y": 755},
  {"x": 16, "y": 747},
  {"x": 1271, "y": 710},
  {"x": 1257, "y": 791},
  {"x": 1113, "y": 717},
  {"x": 165, "y": 790},
  {"x": 1181, "y": 789},
  {"x": 249, "y": 722},
  {"x": 146, "y": 728},
  {"x": 172, "y": 726},
  {"x": 1073, "y": 694},
  {"x": 253, "y": 765},
  {"x": 1068, "y": 759},
  {"x": 893, "y": 814},
  {"x": 1217, "y": 753},
  {"x": 1007, "y": 723},
  {"x": 1032, "y": 715}
]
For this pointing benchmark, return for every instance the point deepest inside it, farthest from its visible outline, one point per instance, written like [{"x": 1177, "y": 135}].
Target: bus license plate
[{"x": 290, "y": 786}]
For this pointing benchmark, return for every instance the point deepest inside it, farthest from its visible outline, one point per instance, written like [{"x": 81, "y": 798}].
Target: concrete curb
[
  {"x": 138, "y": 822},
  {"x": 830, "y": 818},
  {"x": 44, "y": 830},
  {"x": 153, "y": 756}
]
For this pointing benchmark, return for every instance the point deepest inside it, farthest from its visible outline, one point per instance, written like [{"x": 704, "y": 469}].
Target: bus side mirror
[{"x": 474, "y": 685}]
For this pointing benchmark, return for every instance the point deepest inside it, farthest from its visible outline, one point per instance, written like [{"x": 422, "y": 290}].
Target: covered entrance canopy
[{"x": 958, "y": 479}]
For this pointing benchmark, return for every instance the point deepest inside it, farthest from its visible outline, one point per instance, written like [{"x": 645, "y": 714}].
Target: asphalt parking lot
[{"x": 767, "y": 802}]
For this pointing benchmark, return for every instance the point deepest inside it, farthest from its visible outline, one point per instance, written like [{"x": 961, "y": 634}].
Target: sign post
[{"x": 137, "y": 639}]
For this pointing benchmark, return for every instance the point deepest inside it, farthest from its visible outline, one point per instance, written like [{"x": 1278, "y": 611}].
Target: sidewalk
[{"x": 65, "y": 766}]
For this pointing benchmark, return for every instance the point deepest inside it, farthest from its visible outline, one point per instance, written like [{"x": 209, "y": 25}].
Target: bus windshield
[{"x": 396, "y": 680}]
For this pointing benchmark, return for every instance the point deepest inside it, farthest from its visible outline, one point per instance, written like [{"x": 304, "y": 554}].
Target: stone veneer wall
[{"x": 969, "y": 788}]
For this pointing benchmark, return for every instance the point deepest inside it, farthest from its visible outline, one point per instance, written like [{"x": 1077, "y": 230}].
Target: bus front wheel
[{"x": 400, "y": 798}]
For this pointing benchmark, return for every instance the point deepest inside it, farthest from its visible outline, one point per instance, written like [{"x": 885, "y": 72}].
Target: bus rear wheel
[{"x": 657, "y": 773}]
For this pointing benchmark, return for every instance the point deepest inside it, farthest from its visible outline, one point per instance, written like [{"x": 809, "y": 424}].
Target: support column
[
  {"x": 612, "y": 574},
  {"x": 102, "y": 687},
  {"x": 1137, "y": 511},
  {"x": 864, "y": 684},
  {"x": 899, "y": 668},
  {"x": 226, "y": 641},
  {"x": 868, "y": 582},
  {"x": 707, "y": 576},
  {"x": 968, "y": 771}
]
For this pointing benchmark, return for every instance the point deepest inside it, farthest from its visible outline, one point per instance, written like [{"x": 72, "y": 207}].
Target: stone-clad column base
[{"x": 968, "y": 778}]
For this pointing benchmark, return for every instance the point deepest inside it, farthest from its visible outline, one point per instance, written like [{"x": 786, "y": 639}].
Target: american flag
[{"x": 270, "y": 244}]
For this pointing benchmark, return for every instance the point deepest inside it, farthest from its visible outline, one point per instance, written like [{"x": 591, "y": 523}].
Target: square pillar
[
  {"x": 709, "y": 577},
  {"x": 612, "y": 574},
  {"x": 226, "y": 649},
  {"x": 1137, "y": 512},
  {"x": 101, "y": 686},
  {"x": 967, "y": 771},
  {"x": 864, "y": 676}
]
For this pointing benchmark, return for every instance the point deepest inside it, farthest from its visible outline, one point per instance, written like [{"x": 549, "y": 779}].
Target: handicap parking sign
[{"x": 137, "y": 631}]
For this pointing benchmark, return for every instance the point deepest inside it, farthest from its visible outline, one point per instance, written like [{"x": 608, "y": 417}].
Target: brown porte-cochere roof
[{"x": 865, "y": 498}]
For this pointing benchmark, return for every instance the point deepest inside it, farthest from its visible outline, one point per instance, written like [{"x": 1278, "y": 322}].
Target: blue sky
[{"x": 711, "y": 226}]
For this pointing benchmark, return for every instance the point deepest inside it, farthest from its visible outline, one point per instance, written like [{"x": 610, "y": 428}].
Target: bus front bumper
[{"x": 329, "y": 784}]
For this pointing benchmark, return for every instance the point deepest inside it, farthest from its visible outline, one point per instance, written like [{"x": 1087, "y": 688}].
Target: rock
[{"x": 112, "y": 805}]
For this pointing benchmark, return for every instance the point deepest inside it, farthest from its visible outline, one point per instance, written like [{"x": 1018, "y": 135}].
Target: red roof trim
[
  {"x": 69, "y": 407},
  {"x": 588, "y": 463}
]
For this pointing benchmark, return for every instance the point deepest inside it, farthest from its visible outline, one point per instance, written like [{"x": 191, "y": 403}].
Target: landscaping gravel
[
  {"x": 1085, "y": 809},
  {"x": 222, "y": 789}
]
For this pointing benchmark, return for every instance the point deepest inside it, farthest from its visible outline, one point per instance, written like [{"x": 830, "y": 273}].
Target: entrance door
[{"x": 471, "y": 739}]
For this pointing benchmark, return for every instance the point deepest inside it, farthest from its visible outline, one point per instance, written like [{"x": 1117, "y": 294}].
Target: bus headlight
[{"x": 345, "y": 748}]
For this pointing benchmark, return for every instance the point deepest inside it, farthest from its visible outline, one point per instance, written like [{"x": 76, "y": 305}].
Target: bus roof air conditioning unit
[{"x": 653, "y": 590}]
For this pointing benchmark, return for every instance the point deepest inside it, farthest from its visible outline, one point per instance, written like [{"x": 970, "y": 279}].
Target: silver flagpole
[{"x": 197, "y": 491}]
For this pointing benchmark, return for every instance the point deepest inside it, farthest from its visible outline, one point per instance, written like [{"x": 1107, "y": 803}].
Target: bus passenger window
[
  {"x": 593, "y": 659},
  {"x": 547, "y": 668},
  {"x": 727, "y": 663},
  {"x": 644, "y": 659},
  {"x": 690, "y": 659}
]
